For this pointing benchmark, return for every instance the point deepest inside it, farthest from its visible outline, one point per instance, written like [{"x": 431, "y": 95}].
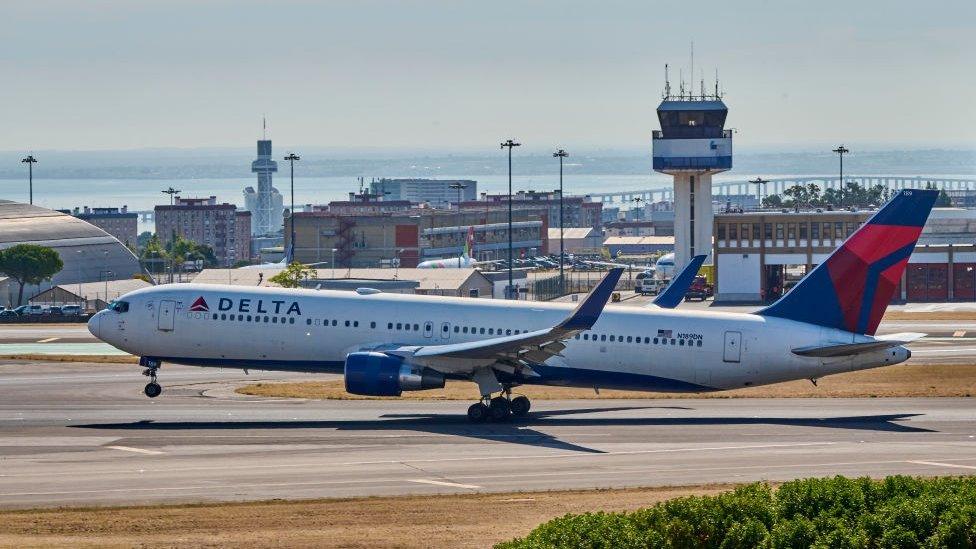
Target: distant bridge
[{"x": 778, "y": 185}]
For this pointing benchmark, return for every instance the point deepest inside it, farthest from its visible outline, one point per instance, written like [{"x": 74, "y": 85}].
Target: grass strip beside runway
[
  {"x": 467, "y": 520},
  {"x": 903, "y": 380}
]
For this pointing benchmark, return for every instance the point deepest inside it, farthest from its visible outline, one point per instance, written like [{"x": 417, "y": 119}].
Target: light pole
[
  {"x": 30, "y": 161},
  {"x": 640, "y": 215},
  {"x": 561, "y": 154},
  {"x": 291, "y": 158},
  {"x": 760, "y": 184},
  {"x": 841, "y": 151},
  {"x": 459, "y": 187},
  {"x": 171, "y": 192},
  {"x": 510, "y": 145},
  {"x": 333, "y": 263}
]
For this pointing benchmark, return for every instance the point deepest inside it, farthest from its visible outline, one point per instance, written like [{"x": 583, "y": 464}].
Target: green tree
[
  {"x": 29, "y": 264},
  {"x": 293, "y": 275},
  {"x": 943, "y": 200}
]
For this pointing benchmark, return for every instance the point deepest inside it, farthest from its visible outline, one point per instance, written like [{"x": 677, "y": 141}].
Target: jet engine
[{"x": 380, "y": 374}]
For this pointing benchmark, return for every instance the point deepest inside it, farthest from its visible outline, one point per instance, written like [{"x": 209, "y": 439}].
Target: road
[{"x": 75, "y": 434}]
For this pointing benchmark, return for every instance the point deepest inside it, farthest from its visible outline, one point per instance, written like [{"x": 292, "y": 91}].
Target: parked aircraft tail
[{"x": 851, "y": 289}]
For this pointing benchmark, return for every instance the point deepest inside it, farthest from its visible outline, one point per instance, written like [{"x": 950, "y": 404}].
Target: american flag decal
[{"x": 665, "y": 333}]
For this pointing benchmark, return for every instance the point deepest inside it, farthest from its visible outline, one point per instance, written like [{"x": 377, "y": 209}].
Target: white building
[
  {"x": 436, "y": 192},
  {"x": 265, "y": 203}
]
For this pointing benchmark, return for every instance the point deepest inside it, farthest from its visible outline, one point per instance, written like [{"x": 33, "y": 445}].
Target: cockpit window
[{"x": 119, "y": 306}]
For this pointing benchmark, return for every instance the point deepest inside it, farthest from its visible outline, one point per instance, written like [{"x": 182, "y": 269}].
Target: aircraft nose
[{"x": 93, "y": 323}]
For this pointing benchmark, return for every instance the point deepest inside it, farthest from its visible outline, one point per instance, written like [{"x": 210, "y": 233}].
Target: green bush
[{"x": 897, "y": 512}]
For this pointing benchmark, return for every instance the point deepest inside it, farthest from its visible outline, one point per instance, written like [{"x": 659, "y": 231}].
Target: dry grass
[
  {"x": 929, "y": 315},
  {"x": 467, "y": 520},
  {"x": 903, "y": 380},
  {"x": 95, "y": 359}
]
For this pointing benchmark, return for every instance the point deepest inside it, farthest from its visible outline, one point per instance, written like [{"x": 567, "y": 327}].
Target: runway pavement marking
[
  {"x": 940, "y": 464},
  {"x": 442, "y": 483},
  {"x": 48, "y": 340},
  {"x": 136, "y": 450},
  {"x": 959, "y": 333},
  {"x": 510, "y": 475}
]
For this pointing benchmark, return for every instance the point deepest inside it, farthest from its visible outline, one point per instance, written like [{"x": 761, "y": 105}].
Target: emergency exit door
[
  {"x": 167, "y": 314},
  {"x": 733, "y": 344}
]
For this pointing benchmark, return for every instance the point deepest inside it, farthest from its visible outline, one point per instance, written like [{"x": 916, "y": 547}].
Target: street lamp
[
  {"x": 459, "y": 187},
  {"x": 291, "y": 158},
  {"x": 561, "y": 154},
  {"x": 171, "y": 192},
  {"x": 30, "y": 161},
  {"x": 510, "y": 145},
  {"x": 333, "y": 263},
  {"x": 760, "y": 184},
  {"x": 841, "y": 151}
]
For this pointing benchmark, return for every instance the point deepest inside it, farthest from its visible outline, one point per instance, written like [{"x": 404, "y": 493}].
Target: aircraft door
[
  {"x": 167, "y": 315},
  {"x": 428, "y": 329},
  {"x": 733, "y": 344},
  {"x": 446, "y": 330}
]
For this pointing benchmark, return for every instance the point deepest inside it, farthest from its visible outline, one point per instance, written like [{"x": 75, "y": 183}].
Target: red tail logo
[{"x": 200, "y": 305}]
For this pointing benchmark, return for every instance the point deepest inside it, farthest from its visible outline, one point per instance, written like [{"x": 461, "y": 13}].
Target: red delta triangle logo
[{"x": 200, "y": 305}]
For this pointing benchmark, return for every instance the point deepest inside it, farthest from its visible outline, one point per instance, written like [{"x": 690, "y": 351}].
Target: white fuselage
[
  {"x": 628, "y": 347},
  {"x": 463, "y": 262}
]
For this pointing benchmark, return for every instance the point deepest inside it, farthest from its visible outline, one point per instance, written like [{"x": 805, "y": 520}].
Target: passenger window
[
  {"x": 681, "y": 342},
  {"x": 491, "y": 331},
  {"x": 266, "y": 319},
  {"x": 291, "y": 320},
  {"x": 215, "y": 316},
  {"x": 347, "y": 324},
  {"x": 628, "y": 339},
  {"x": 508, "y": 332},
  {"x": 416, "y": 327},
  {"x": 699, "y": 343},
  {"x": 389, "y": 325},
  {"x": 335, "y": 322},
  {"x": 481, "y": 330},
  {"x": 603, "y": 337},
  {"x": 223, "y": 316},
  {"x": 372, "y": 325},
  {"x": 274, "y": 320},
  {"x": 655, "y": 341},
  {"x": 457, "y": 329},
  {"x": 465, "y": 330},
  {"x": 355, "y": 324},
  {"x": 672, "y": 341},
  {"x": 612, "y": 338}
]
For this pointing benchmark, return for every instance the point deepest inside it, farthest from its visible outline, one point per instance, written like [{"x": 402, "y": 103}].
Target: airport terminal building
[
  {"x": 760, "y": 255},
  {"x": 89, "y": 254}
]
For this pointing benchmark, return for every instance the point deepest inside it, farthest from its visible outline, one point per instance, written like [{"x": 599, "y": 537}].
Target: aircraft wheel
[
  {"x": 500, "y": 409},
  {"x": 520, "y": 406},
  {"x": 477, "y": 413},
  {"x": 152, "y": 390}
]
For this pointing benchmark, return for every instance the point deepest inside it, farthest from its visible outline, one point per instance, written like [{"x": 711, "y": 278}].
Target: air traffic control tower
[
  {"x": 691, "y": 146},
  {"x": 264, "y": 210}
]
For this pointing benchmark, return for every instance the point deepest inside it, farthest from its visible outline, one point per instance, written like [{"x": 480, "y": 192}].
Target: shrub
[{"x": 897, "y": 512}]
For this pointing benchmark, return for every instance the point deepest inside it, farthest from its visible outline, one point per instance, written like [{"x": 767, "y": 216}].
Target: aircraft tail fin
[
  {"x": 851, "y": 289},
  {"x": 469, "y": 243}
]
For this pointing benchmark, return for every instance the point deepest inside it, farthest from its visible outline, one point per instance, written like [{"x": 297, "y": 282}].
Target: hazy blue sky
[{"x": 459, "y": 74}]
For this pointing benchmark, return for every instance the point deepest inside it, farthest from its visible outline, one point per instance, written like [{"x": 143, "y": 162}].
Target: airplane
[
  {"x": 386, "y": 344},
  {"x": 463, "y": 262}
]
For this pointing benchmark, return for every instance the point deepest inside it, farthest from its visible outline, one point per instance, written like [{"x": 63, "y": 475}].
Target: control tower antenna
[
  {"x": 264, "y": 127},
  {"x": 702, "y": 84},
  {"x": 681, "y": 83},
  {"x": 717, "y": 94},
  {"x": 667, "y": 83},
  {"x": 691, "y": 77}
]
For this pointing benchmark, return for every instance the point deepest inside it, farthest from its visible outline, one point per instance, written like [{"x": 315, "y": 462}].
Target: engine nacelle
[{"x": 379, "y": 374}]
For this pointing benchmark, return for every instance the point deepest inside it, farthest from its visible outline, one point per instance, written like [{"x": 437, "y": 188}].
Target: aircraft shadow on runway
[{"x": 523, "y": 430}]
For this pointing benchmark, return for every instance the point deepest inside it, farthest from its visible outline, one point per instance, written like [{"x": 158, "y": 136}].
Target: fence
[{"x": 577, "y": 282}]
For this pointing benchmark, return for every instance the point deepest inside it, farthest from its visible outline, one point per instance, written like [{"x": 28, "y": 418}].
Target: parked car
[
  {"x": 54, "y": 310},
  {"x": 71, "y": 310},
  {"x": 651, "y": 286},
  {"x": 8, "y": 313},
  {"x": 34, "y": 310},
  {"x": 22, "y": 310}
]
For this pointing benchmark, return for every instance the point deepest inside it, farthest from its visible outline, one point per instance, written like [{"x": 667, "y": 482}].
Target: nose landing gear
[{"x": 152, "y": 389}]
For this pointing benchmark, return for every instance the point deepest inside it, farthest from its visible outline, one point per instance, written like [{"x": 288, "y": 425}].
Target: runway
[{"x": 74, "y": 434}]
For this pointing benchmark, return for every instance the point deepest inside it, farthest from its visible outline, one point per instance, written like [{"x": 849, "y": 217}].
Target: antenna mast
[
  {"x": 667, "y": 83},
  {"x": 691, "y": 78}
]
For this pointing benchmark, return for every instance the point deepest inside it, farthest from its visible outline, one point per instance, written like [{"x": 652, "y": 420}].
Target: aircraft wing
[
  {"x": 849, "y": 349},
  {"x": 676, "y": 290},
  {"x": 515, "y": 351}
]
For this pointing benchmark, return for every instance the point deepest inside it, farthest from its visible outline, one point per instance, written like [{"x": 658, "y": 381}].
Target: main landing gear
[
  {"x": 498, "y": 409},
  {"x": 152, "y": 389}
]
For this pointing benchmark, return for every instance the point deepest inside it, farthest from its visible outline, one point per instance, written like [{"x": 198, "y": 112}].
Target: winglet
[
  {"x": 587, "y": 312},
  {"x": 673, "y": 294}
]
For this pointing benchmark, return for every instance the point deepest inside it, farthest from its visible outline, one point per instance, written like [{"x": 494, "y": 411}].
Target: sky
[{"x": 465, "y": 75}]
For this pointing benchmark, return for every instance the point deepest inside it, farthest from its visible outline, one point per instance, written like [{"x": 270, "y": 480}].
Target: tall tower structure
[
  {"x": 264, "y": 203},
  {"x": 691, "y": 146}
]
